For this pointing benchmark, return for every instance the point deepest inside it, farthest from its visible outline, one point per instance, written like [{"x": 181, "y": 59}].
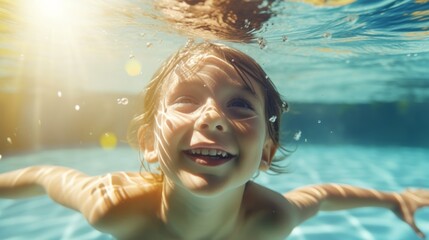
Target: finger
[{"x": 417, "y": 230}]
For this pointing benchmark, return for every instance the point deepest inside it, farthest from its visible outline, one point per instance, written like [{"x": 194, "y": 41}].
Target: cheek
[
  {"x": 252, "y": 129},
  {"x": 172, "y": 126}
]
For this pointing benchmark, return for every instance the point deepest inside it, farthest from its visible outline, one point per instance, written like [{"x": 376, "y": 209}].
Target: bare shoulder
[
  {"x": 271, "y": 208},
  {"x": 122, "y": 202}
]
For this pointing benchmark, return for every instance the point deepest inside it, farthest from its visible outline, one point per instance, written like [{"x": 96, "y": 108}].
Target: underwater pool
[
  {"x": 385, "y": 168},
  {"x": 355, "y": 73}
]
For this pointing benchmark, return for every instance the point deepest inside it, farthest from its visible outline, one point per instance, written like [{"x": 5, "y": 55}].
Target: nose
[{"x": 211, "y": 119}]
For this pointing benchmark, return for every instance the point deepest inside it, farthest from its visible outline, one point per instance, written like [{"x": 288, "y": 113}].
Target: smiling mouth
[{"x": 209, "y": 157}]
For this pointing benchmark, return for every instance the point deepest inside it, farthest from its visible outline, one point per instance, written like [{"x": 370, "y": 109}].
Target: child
[{"x": 210, "y": 121}]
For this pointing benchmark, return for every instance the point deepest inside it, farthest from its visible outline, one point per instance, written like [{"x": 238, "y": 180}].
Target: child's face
[{"x": 211, "y": 132}]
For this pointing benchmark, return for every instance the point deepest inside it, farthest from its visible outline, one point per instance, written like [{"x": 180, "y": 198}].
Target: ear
[
  {"x": 146, "y": 143},
  {"x": 267, "y": 154}
]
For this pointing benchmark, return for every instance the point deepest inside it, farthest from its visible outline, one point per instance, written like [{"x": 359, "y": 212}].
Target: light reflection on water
[{"x": 376, "y": 48}]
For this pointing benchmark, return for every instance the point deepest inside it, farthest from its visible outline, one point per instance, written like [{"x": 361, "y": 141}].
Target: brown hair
[{"x": 247, "y": 68}]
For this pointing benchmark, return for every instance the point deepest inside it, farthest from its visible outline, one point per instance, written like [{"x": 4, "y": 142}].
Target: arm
[
  {"x": 61, "y": 184},
  {"x": 102, "y": 199},
  {"x": 308, "y": 201}
]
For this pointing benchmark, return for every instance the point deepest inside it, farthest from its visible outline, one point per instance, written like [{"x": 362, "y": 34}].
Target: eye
[
  {"x": 185, "y": 100},
  {"x": 240, "y": 103}
]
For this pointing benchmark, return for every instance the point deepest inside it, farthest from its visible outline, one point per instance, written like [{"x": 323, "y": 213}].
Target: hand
[{"x": 409, "y": 202}]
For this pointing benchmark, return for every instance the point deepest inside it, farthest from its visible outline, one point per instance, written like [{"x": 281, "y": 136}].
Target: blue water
[
  {"x": 354, "y": 72},
  {"x": 388, "y": 168}
]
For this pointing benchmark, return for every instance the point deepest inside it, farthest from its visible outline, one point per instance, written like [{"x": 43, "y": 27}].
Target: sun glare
[
  {"x": 51, "y": 10},
  {"x": 51, "y": 13}
]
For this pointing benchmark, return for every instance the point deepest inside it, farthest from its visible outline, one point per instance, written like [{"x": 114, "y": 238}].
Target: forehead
[{"x": 213, "y": 71}]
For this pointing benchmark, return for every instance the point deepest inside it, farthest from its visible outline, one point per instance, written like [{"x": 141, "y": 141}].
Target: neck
[{"x": 189, "y": 216}]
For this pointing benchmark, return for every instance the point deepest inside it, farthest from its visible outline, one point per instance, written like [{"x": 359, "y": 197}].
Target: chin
[{"x": 204, "y": 185}]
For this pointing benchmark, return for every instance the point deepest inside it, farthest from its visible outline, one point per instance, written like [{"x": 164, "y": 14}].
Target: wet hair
[{"x": 186, "y": 61}]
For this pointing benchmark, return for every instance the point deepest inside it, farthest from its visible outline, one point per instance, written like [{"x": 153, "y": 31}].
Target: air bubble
[
  {"x": 131, "y": 56},
  {"x": 319, "y": 121},
  {"x": 352, "y": 19},
  {"x": 0, "y": 156},
  {"x": 122, "y": 101},
  {"x": 284, "y": 38},
  {"x": 59, "y": 94},
  {"x": 9, "y": 140},
  {"x": 246, "y": 23},
  {"x": 148, "y": 44},
  {"x": 262, "y": 43},
  {"x": 273, "y": 119},
  {"x": 327, "y": 35},
  {"x": 297, "y": 135},
  {"x": 77, "y": 107},
  {"x": 285, "y": 106}
]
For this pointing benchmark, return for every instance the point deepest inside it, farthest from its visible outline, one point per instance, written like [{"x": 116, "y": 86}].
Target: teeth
[{"x": 209, "y": 152}]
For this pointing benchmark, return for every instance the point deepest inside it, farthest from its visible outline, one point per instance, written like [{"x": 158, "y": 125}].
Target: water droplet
[
  {"x": 122, "y": 101},
  {"x": 273, "y": 119},
  {"x": 262, "y": 43},
  {"x": 9, "y": 140},
  {"x": 59, "y": 94},
  {"x": 76, "y": 107},
  {"x": 319, "y": 121},
  {"x": 297, "y": 135},
  {"x": 148, "y": 44},
  {"x": 327, "y": 35},
  {"x": 284, "y": 38}
]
